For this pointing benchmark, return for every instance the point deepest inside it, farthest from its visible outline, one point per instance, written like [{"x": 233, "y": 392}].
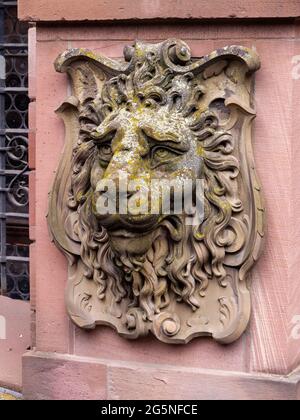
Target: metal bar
[
  {"x": 16, "y": 54},
  {"x": 12, "y": 172},
  {"x": 8, "y": 54},
  {"x": 14, "y": 131},
  {"x": 18, "y": 215},
  {"x": 3, "y": 285},
  {"x": 4, "y": 260},
  {"x": 13, "y": 90},
  {"x": 7, "y": 45},
  {"x": 15, "y": 258}
]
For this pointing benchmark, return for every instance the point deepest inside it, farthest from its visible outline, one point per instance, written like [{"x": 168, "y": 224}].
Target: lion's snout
[{"x": 126, "y": 208}]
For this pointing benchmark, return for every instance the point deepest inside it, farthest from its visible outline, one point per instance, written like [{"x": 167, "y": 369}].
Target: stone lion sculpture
[{"x": 158, "y": 115}]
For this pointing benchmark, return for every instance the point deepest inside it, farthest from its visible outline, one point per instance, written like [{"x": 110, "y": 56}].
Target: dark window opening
[{"x": 14, "y": 230}]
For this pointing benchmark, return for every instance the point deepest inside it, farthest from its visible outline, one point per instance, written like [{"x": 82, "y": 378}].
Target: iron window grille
[{"x": 14, "y": 171}]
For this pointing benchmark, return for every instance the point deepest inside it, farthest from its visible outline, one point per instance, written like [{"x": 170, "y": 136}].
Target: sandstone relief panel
[{"x": 156, "y": 202}]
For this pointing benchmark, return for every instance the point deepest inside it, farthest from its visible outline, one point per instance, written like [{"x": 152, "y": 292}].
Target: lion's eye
[
  {"x": 161, "y": 155},
  {"x": 105, "y": 149},
  {"x": 103, "y": 144},
  {"x": 105, "y": 153}
]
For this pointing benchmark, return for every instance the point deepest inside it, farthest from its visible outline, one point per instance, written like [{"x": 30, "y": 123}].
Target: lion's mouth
[
  {"x": 139, "y": 227},
  {"x": 123, "y": 233},
  {"x": 130, "y": 226}
]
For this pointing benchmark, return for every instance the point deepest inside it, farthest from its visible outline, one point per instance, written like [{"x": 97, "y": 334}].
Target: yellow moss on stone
[{"x": 8, "y": 397}]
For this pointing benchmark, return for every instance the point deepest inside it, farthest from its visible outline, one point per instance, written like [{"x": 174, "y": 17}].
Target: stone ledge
[
  {"x": 105, "y": 10},
  {"x": 61, "y": 376}
]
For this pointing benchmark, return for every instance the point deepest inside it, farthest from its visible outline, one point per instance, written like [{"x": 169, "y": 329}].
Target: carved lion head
[{"x": 160, "y": 117}]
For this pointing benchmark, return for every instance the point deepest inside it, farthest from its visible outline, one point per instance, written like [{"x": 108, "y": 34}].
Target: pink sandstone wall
[
  {"x": 70, "y": 10},
  {"x": 105, "y": 365},
  {"x": 14, "y": 340}
]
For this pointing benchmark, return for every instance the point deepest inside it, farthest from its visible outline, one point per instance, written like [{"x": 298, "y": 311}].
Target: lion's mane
[{"x": 185, "y": 266}]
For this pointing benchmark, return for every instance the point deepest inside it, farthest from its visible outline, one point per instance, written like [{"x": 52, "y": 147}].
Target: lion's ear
[
  {"x": 87, "y": 72},
  {"x": 86, "y": 77}
]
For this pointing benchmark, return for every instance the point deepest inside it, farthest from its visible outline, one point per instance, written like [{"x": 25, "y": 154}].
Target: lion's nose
[
  {"x": 130, "y": 193},
  {"x": 125, "y": 195},
  {"x": 116, "y": 194},
  {"x": 122, "y": 193}
]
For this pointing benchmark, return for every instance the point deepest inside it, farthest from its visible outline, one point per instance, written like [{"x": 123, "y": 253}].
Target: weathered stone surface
[
  {"x": 55, "y": 335},
  {"x": 63, "y": 378},
  {"x": 272, "y": 342},
  {"x": 159, "y": 118},
  {"x": 70, "y": 377},
  {"x": 76, "y": 10},
  {"x": 177, "y": 384},
  {"x": 14, "y": 340}
]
